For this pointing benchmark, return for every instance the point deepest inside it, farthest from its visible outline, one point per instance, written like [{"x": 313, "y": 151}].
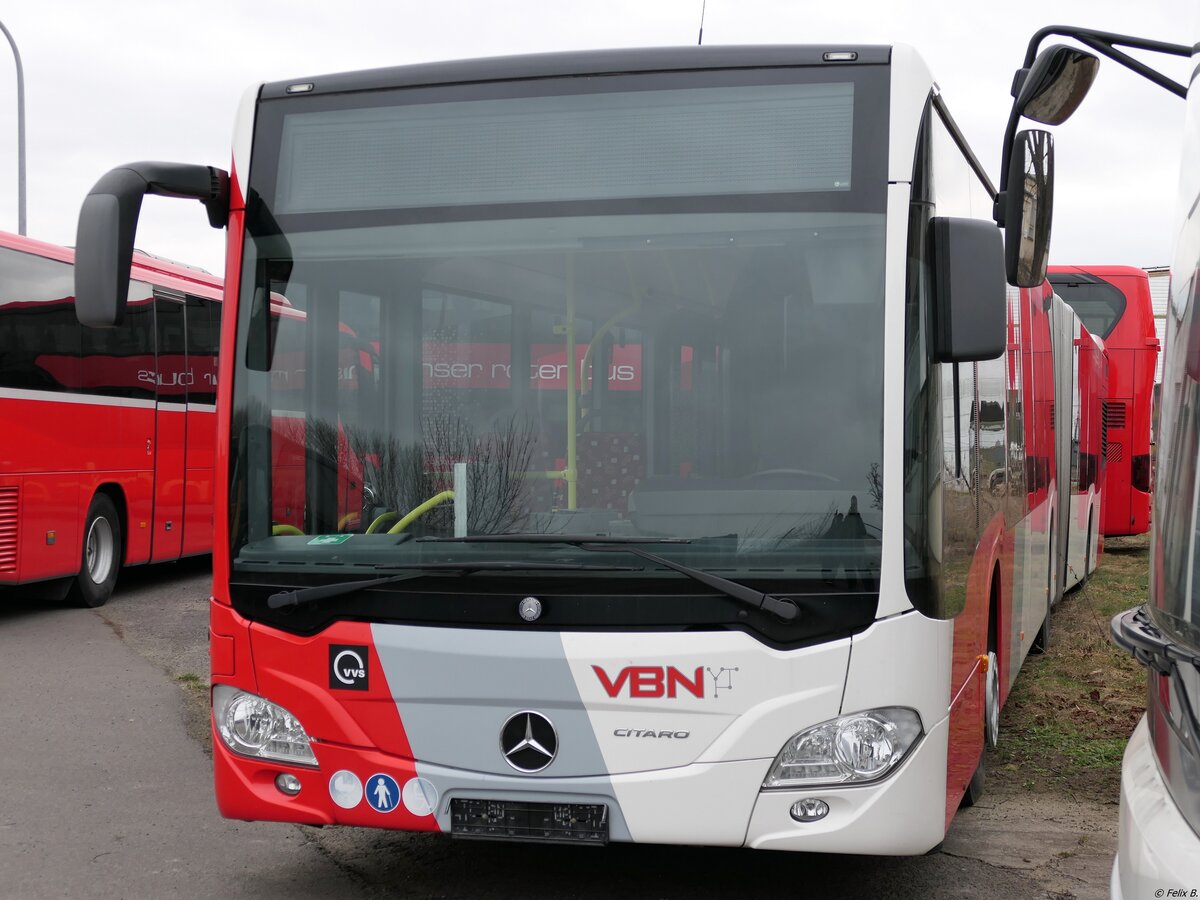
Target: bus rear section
[
  {"x": 611, "y": 478},
  {"x": 109, "y": 441},
  {"x": 1115, "y": 305}
]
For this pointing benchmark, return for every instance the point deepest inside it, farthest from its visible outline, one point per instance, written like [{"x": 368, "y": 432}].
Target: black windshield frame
[{"x": 867, "y": 195}]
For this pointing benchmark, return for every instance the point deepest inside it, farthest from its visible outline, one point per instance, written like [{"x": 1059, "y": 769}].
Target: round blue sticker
[{"x": 383, "y": 793}]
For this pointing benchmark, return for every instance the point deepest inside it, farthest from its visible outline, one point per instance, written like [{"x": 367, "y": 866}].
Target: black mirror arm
[
  {"x": 1106, "y": 42},
  {"x": 108, "y": 222},
  {"x": 1103, "y": 42},
  {"x": 207, "y": 184},
  {"x": 1010, "y": 135},
  {"x": 1102, "y": 46}
]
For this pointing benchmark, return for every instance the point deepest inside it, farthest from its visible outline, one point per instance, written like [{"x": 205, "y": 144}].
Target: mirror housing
[
  {"x": 969, "y": 296},
  {"x": 1052, "y": 88},
  {"x": 1029, "y": 204},
  {"x": 108, "y": 222}
]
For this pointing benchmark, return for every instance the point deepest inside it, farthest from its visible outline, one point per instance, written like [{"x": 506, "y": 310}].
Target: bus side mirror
[
  {"x": 1029, "y": 203},
  {"x": 969, "y": 296},
  {"x": 1049, "y": 91},
  {"x": 108, "y": 222},
  {"x": 1052, "y": 88}
]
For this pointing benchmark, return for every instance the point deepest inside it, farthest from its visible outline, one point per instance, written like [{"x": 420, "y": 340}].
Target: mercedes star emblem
[
  {"x": 528, "y": 741},
  {"x": 530, "y": 609}
]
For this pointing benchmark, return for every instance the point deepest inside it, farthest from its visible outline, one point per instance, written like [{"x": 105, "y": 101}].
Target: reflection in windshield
[{"x": 723, "y": 383}]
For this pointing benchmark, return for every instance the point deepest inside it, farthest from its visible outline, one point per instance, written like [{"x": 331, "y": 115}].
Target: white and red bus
[
  {"x": 706, "y": 496},
  {"x": 107, "y": 456},
  {"x": 1114, "y": 303}
]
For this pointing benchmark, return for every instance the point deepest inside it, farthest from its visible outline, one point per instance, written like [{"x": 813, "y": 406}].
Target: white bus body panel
[
  {"x": 755, "y": 697},
  {"x": 905, "y": 813},
  {"x": 910, "y": 88},
  {"x": 673, "y": 766},
  {"x": 1157, "y": 849},
  {"x": 900, "y": 816},
  {"x": 243, "y": 137}
]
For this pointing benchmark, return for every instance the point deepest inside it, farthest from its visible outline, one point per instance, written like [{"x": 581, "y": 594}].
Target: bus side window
[
  {"x": 39, "y": 334},
  {"x": 171, "y": 350},
  {"x": 120, "y": 362},
  {"x": 203, "y": 335}
]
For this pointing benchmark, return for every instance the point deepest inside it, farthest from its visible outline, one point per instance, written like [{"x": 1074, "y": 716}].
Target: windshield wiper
[
  {"x": 417, "y": 570},
  {"x": 780, "y": 606}
]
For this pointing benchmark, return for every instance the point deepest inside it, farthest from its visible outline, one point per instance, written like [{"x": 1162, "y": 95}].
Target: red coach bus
[
  {"x": 107, "y": 456},
  {"x": 1114, "y": 303}
]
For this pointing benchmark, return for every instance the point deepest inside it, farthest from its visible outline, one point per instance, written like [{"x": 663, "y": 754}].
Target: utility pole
[{"x": 20, "y": 132}]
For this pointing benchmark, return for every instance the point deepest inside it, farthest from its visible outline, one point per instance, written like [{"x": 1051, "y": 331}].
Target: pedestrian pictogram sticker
[{"x": 383, "y": 793}]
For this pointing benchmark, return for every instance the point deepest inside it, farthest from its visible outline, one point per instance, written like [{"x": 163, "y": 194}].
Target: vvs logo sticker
[{"x": 348, "y": 667}]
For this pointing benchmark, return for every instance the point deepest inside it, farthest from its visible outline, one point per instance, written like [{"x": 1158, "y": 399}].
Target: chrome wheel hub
[
  {"x": 992, "y": 701},
  {"x": 99, "y": 550}
]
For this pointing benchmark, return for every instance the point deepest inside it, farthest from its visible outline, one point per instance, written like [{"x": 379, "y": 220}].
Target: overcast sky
[{"x": 109, "y": 83}]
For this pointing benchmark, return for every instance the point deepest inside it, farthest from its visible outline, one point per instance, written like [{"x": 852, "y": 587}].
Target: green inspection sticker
[{"x": 322, "y": 539}]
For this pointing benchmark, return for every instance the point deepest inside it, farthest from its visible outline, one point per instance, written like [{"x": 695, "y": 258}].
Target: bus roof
[
  {"x": 169, "y": 269},
  {"x": 580, "y": 62}
]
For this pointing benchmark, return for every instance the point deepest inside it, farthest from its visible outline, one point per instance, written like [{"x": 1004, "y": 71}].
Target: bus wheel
[
  {"x": 1087, "y": 555},
  {"x": 991, "y": 701},
  {"x": 101, "y": 554},
  {"x": 1041, "y": 640},
  {"x": 974, "y": 791},
  {"x": 991, "y": 718}
]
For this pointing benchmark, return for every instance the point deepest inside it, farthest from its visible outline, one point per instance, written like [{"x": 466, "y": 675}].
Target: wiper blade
[
  {"x": 780, "y": 606},
  {"x": 324, "y": 591},
  {"x": 541, "y": 537},
  {"x": 320, "y": 592}
]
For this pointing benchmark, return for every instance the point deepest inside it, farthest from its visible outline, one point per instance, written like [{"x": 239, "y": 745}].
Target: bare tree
[{"x": 403, "y": 476}]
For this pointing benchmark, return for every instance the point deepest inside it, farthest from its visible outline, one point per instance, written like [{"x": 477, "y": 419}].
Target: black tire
[
  {"x": 1087, "y": 556},
  {"x": 991, "y": 714},
  {"x": 1041, "y": 640},
  {"x": 974, "y": 792},
  {"x": 100, "y": 560}
]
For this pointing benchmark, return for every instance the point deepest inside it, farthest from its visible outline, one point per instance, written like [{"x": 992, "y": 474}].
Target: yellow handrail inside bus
[
  {"x": 381, "y": 520},
  {"x": 418, "y": 511},
  {"x": 572, "y": 471},
  {"x": 285, "y": 529}
]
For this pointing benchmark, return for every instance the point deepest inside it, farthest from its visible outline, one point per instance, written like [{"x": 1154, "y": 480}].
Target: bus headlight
[
  {"x": 851, "y": 749},
  {"x": 252, "y": 726}
]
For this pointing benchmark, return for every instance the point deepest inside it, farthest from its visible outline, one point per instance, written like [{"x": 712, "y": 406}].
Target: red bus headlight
[{"x": 253, "y": 726}]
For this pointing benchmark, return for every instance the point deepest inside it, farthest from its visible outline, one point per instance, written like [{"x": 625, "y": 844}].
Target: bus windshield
[{"x": 648, "y": 308}]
